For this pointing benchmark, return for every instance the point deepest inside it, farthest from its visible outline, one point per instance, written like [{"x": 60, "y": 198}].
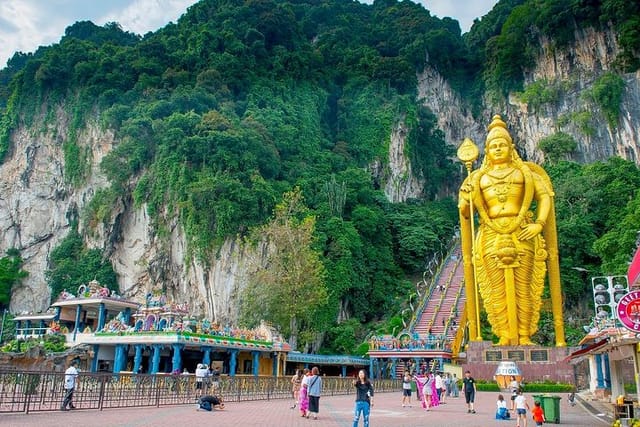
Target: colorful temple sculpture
[{"x": 159, "y": 336}]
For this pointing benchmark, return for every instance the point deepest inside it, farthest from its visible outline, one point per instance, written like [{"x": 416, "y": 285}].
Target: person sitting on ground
[
  {"x": 209, "y": 402},
  {"x": 501, "y": 411}
]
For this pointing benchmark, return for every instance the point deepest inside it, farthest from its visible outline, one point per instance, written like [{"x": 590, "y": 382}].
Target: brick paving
[{"x": 334, "y": 411}]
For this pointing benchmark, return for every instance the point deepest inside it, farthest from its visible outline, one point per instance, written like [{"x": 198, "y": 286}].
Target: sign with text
[{"x": 628, "y": 311}]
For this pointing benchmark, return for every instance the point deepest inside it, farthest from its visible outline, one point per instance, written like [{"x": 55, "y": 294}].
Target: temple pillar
[
  {"x": 137, "y": 358},
  {"x": 155, "y": 359},
  {"x": 256, "y": 363},
  {"x": 233, "y": 361},
  {"x": 77, "y": 322},
  {"x": 607, "y": 371},
  {"x": 120, "y": 358},
  {"x": 599, "y": 372},
  {"x": 176, "y": 361},
  {"x": 102, "y": 314},
  {"x": 206, "y": 357},
  {"x": 94, "y": 361}
]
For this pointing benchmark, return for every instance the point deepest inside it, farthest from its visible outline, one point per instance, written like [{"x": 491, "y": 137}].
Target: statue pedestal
[{"x": 537, "y": 363}]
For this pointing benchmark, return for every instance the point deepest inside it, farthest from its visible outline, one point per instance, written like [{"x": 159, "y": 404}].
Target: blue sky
[{"x": 27, "y": 24}]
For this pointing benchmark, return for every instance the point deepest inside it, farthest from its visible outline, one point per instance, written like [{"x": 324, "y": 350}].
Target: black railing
[{"x": 38, "y": 391}]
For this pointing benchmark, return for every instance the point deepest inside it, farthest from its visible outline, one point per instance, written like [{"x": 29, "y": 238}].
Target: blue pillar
[
  {"x": 394, "y": 367},
  {"x": 344, "y": 371},
  {"x": 77, "y": 324},
  {"x": 120, "y": 358},
  {"x": 599, "y": 374},
  {"x": 155, "y": 359},
  {"x": 137, "y": 359},
  {"x": 18, "y": 327},
  {"x": 206, "y": 359},
  {"x": 256, "y": 363},
  {"x": 233, "y": 360},
  {"x": 275, "y": 358},
  {"x": 102, "y": 314},
  {"x": 43, "y": 326},
  {"x": 56, "y": 316},
  {"x": 607, "y": 371},
  {"x": 127, "y": 315},
  {"x": 94, "y": 362},
  {"x": 372, "y": 373},
  {"x": 176, "y": 362}
]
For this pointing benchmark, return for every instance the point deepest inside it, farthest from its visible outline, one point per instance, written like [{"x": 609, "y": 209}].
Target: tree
[
  {"x": 287, "y": 287},
  {"x": 10, "y": 274},
  {"x": 73, "y": 265}
]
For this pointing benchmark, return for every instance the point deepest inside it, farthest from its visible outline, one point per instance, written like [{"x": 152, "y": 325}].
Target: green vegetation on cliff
[{"x": 220, "y": 114}]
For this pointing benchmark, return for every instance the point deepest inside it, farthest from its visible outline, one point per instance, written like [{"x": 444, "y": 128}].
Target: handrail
[{"x": 458, "y": 340}]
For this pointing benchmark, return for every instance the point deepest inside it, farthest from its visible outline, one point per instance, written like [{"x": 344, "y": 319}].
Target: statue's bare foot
[
  {"x": 504, "y": 341},
  {"x": 524, "y": 340}
]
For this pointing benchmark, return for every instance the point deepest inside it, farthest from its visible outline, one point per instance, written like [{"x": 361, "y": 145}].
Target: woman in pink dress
[
  {"x": 434, "y": 392},
  {"x": 303, "y": 402},
  {"x": 420, "y": 383}
]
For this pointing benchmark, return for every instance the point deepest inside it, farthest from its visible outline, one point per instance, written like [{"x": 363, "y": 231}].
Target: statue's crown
[{"x": 498, "y": 129}]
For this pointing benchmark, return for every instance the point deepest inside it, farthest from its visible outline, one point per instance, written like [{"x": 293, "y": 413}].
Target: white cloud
[
  {"x": 142, "y": 16},
  {"x": 27, "y": 24}
]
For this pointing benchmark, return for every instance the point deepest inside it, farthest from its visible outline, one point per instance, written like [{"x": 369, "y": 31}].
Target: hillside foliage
[{"x": 218, "y": 115}]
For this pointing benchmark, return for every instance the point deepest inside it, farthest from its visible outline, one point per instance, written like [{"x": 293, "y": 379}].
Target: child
[
  {"x": 521, "y": 409},
  {"x": 501, "y": 411},
  {"x": 538, "y": 413},
  {"x": 208, "y": 402}
]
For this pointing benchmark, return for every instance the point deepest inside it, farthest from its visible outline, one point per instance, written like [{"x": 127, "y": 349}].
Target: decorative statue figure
[{"x": 516, "y": 242}]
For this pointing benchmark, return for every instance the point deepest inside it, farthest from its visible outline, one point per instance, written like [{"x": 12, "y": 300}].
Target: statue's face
[{"x": 499, "y": 150}]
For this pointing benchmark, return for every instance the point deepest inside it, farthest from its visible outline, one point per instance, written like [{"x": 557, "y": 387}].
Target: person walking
[
  {"x": 521, "y": 410},
  {"x": 315, "y": 389},
  {"x": 455, "y": 391},
  {"x": 406, "y": 390},
  {"x": 427, "y": 391},
  {"x": 70, "y": 383},
  {"x": 538, "y": 414},
  {"x": 303, "y": 395},
  {"x": 364, "y": 398},
  {"x": 296, "y": 382},
  {"x": 514, "y": 386},
  {"x": 469, "y": 388}
]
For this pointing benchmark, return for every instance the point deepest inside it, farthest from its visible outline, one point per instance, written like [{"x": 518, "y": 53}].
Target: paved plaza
[{"x": 334, "y": 411}]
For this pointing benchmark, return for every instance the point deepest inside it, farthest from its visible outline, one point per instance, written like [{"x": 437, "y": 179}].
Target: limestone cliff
[
  {"x": 577, "y": 67},
  {"x": 36, "y": 204}
]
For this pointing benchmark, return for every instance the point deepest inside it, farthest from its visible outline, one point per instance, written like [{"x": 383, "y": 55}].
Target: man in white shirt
[
  {"x": 70, "y": 382},
  {"x": 439, "y": 387}
]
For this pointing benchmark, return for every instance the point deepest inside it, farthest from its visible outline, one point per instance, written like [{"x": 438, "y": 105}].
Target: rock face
[
  {"x": 36, "y": 205},
  {"x": 578, "y": 67}
]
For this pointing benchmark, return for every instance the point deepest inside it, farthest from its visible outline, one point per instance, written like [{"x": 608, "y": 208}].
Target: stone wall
[{"x": 480, "y": 362}]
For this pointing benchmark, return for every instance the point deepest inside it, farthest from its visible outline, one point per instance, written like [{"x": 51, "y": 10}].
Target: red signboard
[
  {"x": 633, "y": 274},
  {"x": 628, "y": 311}
]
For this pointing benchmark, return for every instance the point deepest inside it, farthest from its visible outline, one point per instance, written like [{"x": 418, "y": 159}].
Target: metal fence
[{"x": 38, "y": 391}]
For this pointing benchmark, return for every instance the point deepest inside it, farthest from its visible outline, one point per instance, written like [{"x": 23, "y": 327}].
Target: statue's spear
[{"x": 468, "y": 153}]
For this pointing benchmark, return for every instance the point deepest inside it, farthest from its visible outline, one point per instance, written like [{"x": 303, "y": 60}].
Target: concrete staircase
[{"x": 444, "y": 300}]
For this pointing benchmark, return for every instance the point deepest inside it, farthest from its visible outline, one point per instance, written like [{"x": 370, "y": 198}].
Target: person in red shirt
[{"x": 538, "y": 413}]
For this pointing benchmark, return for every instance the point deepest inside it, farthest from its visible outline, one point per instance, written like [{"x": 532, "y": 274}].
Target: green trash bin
[{"x": 551, "y": 407}]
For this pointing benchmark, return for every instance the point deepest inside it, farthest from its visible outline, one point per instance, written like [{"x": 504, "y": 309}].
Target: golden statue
[{"x": 516, "y": 243}]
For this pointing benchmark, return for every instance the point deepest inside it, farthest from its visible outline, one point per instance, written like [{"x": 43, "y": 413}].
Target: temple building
[{"x": 162, "y": 337}]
